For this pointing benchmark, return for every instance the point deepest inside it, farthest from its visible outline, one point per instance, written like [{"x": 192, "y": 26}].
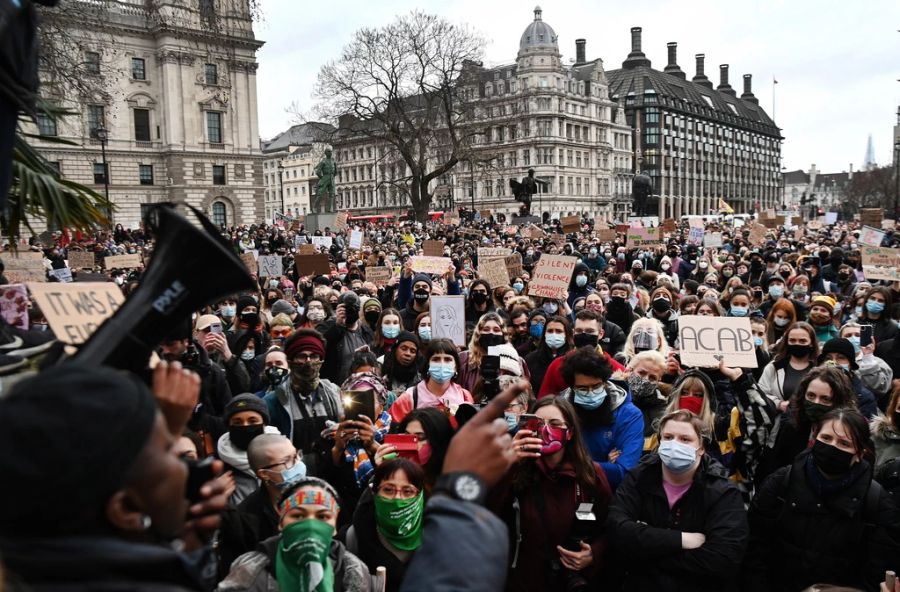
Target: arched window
[{"x": 219, "y": 214}]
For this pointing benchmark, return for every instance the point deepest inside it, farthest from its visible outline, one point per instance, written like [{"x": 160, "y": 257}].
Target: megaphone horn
[{"x": 189, "y": 269}]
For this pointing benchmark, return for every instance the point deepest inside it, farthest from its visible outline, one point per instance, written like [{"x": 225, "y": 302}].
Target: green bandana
[
  {"x": 302, "y": 562},
  {"x": 400, "y": 521}
]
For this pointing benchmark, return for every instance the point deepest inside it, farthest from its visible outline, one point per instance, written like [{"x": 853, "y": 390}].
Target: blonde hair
[
  {"x": 707, "y": 417},
  {"x": 652, "y": 356},
  {"x": 646, "y": 323},
  {"x": 281, "y": 320},
  {"x": 475, "y": 349}
]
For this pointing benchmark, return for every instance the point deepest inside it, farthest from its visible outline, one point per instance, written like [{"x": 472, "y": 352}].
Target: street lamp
[
  {"x": 281, "y": 187},
  {"x": 897, "y": 176},
  {"x": 102, "y": 135}
]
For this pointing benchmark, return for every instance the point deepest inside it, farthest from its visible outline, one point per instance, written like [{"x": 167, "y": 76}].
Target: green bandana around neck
[
  {"x": 400, "y": 521},
  {"x": 301, "y": 562}
]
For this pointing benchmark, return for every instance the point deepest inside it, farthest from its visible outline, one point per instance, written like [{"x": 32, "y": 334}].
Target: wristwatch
[{"x": 463, "y": 486}]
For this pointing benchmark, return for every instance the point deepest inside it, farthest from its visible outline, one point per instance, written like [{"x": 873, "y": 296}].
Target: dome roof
[{"x": 538, "y": 34}]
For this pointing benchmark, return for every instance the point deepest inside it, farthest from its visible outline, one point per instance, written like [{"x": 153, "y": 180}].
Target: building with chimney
[
  {"x": 288, "y": 162},
  {"x": 699, "y": 143},
  {"x": 812, "y": 193},
  {"x": 175, "y": 109}
]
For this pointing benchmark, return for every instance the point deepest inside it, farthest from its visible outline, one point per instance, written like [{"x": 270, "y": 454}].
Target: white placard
[{"x": 448, "y": 318}]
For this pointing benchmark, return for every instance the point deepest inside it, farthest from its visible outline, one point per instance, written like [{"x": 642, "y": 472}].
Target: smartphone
[
  {"x": 490, "y": 367},
  {"x": 216, "y": 328},
  {"x": 359, "y": 402},
  {"x": 865, "y": 335},
  {"x": 407, "y": 445},
  {"x": 200, "y": 472},
  {"x": 530, "y": 422},
  {"x": 890, "y": 579}
]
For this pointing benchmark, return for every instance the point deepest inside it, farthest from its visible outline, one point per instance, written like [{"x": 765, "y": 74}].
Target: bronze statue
[
  {"x": 325, "y": 171},
  {"x": 524, "y": 190},
  {"x": 641, "y": 188}
]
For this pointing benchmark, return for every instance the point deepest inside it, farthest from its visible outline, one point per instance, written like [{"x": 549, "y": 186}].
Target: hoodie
[{"x": 576, "y": 292}]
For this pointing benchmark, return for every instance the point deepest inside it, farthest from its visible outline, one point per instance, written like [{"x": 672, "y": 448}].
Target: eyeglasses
[
  {"x": 287, "y": 462},
  {"x": 394, "y": 492},
  {"x": 285, "y": 333},
  {"x": 302, "y": 358}
]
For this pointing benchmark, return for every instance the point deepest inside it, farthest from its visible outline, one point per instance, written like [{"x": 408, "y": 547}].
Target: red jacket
[{"x": 553, "y": 380}]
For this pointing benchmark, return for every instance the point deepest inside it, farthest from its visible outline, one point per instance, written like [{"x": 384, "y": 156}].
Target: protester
[
  {"x": 441, "y": 366},
  {"x": 246, "y": 417},
  {"x": 795, "y": 356}
]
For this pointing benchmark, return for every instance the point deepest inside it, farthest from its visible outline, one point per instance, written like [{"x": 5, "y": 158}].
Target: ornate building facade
[
  {"x": 289, "y": 160},
  {"x": 179, "y": 110}
]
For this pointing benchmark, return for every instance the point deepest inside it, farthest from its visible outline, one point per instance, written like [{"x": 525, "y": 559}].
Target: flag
[
  {"x": 774, "y": 81},
  {"x": 724, "y": 207}
]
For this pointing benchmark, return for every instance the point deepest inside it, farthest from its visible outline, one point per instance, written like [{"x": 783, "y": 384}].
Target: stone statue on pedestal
[
  {"x": 641, "y": 189},
  {"x": 325, "y": 171}
]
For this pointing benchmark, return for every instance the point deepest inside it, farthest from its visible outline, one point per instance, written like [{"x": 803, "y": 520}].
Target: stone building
[
  {"x": 697, "y": 143},
  {"x": 178, "y": 104},
  {"x": 288, "y": 163}
]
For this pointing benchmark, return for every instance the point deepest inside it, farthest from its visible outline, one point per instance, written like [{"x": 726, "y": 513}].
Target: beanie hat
[
  {"x": 283, "y": 307},
  {"x": 509, "y": 358},
  {"x": 825, "y": 302},
  {"x": 842, "y": 346},
  {"x": 305, "y": 342},
  {"x": 247, "y": 402},
  {"x": 406, "y": 336},
  {"x": 422, "y": 277},
  {"x": 246, "y": 301},
  {"x": 372, "y": 303}
]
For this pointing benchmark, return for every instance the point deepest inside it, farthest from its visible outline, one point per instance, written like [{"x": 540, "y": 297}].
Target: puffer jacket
[
  {"x": 887, "y": 440},
  {"x": 876, "y": 374}
]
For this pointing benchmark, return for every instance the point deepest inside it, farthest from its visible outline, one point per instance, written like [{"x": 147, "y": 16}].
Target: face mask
[
  {"x": 536, "y": 330},
  {"x": 315, "y": 315},
  {"x": 690, "y": 403},
  {"x": 831, "y": 460},
  {"x": 874, "y": 306},
  {"x": 390, "y": 331},
  {"x": 288, "y": 476},
  {"x": 400, "y": 521},
  {"x": 529, "y": 253},
  {"x": 589, "y": 399},
  {"x": 776, "y": 291},
  {"x": 555, "y": 340},
  {"x": 739, "y": 311},
  {"x": 248, "y": 354},
  {"x": 518, "y": 287},
  {"x": 586, "y": 340},
  {"x": 119, "y": 280},
  {"x": 799, "y": 351},
  {"x": 758, "y": 341},
  {"x": 581, "y": 281},
  {"x": 553, "y": 439},
  {"x": 242, "y": 435},
  {"x": 250, "y": 318},
  {"x": 421, "y": 295},
  {"x": 819, "y": 318},
  {"x": 781, "y": 321},
  {"x": 677, "y": 457},
  {"x": 424, "y": 333},
  {"x": 801, "y": 290},
  {"x": 550, "y": 308},
  {"x": 704, "y": 265},
  {"x": 441, "y": 373},
  {"x": 371, "y": 317},
  {"x": 843, "y": 277},
  {"x": 512, "y": 421},
  {"x": 661, "y": 305},
  {"x": 275, "y": 375},
  {"x": 305, "y": 376},
  {"x": 302, "y": 562},
  {"x": 727, "y": 273},
  {"x": 855, "y": 342},
  {"x": 487, "y": 340},
  {"x": 642, "y": 390},
  {"x": 424, "y": 454},
  {"x": 814, "y": 411},
  {"x": 227, "y": 312}
]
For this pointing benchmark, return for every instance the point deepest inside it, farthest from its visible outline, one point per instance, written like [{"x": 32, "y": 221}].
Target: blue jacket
[{"x": 626, "y": 434}]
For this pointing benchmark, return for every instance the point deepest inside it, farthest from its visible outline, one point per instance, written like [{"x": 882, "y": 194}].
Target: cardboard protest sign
[
  {"x": 570, "y": 223},
  {"x": 695, "y": 236},
  {"x": 432, "y": 265},
  {"x": 535, "y": 232},
  {"x": 879, "y": 263},
  {"x": 89, "y": 276},
  {"x": 712, "y": 239},
  {"x": 551, "y": 277},
  {"x": 871, "y": 236},
  {"x": 814, "y": 224},
  {"x": 74, "y": 311},
  {"x": 356, "y": 239},
  {"x": 695, "y": 222},
  {"x": 122, "y": 261},
  {"x": 306, "y": 249},
  {"x": 757, "y": 235},
  {"x": 315, "y": 264},
  {"x": 669, "y": 225},
  {"x": 513, "y": 265},
  {"x": 448, "y": 318},
  {"x": 888, "y": 224},
  {"x": 378, "y": 275},
  {"x": 340, "y": 220},
  {"x": 249, "y": 261},
  {"x": 63, "y": 274},
  {"x": 493, "y": 271},
  {"x": 643, "y": 238},
  {"x": 871, "y": 217},
  {"x": 492, "y": 252},
  {"x": 470, "y": 232},
  {"x": 433, "y": 248},
  {"x": 558, "y": 239},
  {"x": 14, "y": 305},
  {"x": 706, "y": 340},
  {"x": 81, "y": 260},
  {"x": 270, "y": 266},
  {"x": 24, "y": 266},
  {"x": 321, "y": 241},
  {"x": 605, "y": 235},
  {"x": 485, "y": 214}
]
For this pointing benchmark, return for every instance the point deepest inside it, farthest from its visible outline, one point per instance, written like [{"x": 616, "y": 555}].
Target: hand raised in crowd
[
  {"x": 177, "y": 392},
  {"x": 731, "y": 374},
  {"x": 407, "y": 269},
  {"x": 526, "y": 445},
  {"x": 868, "y": 350},
  {"x": 340, "y": 315},
  {"x": 217, "y": 342},
  {"x": 205, "y": 517},
  {"x": 576, "y": 560},
  {"x": 483, "y": 445},
  {"x": 673, "y": 366}
]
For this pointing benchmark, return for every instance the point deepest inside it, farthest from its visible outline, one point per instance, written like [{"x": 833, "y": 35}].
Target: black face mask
[
  {"x": 241, "y": 436},
  {"x": 830, "y": 459},
  {"x": 487, "y": 340},
  {"x": 799, "y": 351},
  {"x": 586, "y": 339},
  {"x": 421, "y": 295},
  {"x": 250, "y": 318},
  {"x": 275, "y": 375},
  {"x": 372, "y": 317},
  {"x": 479, "y": 297},
  {"x": 661, "y": 305}
]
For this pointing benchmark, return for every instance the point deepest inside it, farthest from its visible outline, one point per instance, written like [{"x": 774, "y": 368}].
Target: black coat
[
  {"x": 538, "y": 361},
  {"x": 798, "y": 538},
  {"x": 245, "y": 527},
  {"x": 647, "y": 534}
]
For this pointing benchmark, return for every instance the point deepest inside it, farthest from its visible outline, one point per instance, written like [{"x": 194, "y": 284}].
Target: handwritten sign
[
  {"x": 63, "y": 274},
  {"x": 513, "y": 265},
  {"x": 24, "y": 266},
  {"x": 306, "y": 249},
  {"x": 448, "y": 318},
  {"x": 706, "y": 340},
  {"x": 871, "y": 217},
  {"x": 695, "y": 236},
  {"x": 871, "y": 236},
  {"x": 757, "y": 234},
  {"x": 432, "y": 265},
  {"x": 74, "y": 311},
  {"x": 249, "y": 261},
  {"x": 712, "y": 239},
  {"x": 433, "y": 248},
  {"x": 570, "y": 223},
  {"x": 669, "y": 225},
  {"x": 122, "y": 261},
  {"x": 644, "y": 238},
  {"x": 315, "y": 264},
  {"x": 378, "y": 275},
  {"x": 81, "y": 260},
  {"x": 356, "y": 239},
  {"x": 270, "y": 266},
  {"x": 340, "y": 220},
  {"x": 605, "y": 235},
  {"x": 551, "y": 277},
  {"x": 14, "y": 305},
  {"x": 321, "y": 241},
  {"x": 492, "y": 252},
  {"x": 879, "y": 263},
  {"x": 493, "y": 271}
]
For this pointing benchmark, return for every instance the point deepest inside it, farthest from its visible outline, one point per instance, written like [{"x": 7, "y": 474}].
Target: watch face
[{"x": 467, "y": 488}]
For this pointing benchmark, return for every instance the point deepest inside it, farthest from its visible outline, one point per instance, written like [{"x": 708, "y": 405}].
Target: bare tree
[
  {"x": 872, "y": 189},
  {"x": 403, "y": 85}
]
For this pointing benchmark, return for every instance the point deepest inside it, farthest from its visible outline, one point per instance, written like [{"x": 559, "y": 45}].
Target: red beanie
[{"x": 305, "y": 343}]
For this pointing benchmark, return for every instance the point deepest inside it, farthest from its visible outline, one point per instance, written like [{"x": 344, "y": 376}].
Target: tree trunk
[{"x": 422, "y": 201}]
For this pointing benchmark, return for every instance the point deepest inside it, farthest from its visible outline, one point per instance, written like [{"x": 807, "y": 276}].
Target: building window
[
  {"x": 211, "y": 74},
  {"x": 214, "y": 127},
  {"x": 99, "y": 173},
  {"x": 142, "y": 125},
  {"x": 92, "y": 62},
  {"x": 218, "y": 174},
  {"x": 56, "y": 166},
  {"x": 145, "y": 173},
  {"x": 96, "y": 118},
  {"x": 219, "y": 214},
  {"x": 46, "y": 125},
  {"x": 138, "y": 71}
]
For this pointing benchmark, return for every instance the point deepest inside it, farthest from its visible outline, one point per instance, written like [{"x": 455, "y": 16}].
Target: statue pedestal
[
  {"x": 524, "y": 220},
  {"x": 316, "y": 222}
]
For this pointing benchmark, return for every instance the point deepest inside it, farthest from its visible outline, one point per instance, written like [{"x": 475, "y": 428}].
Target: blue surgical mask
[
  {"x": 289, "y": 476},
  {"x": 677, "y": 457},
  {"x": 248, "y": 354},
  {"x": 739, "y": 311},
  {"x": 857, "y": 311},
  {"x": 228, "y": 311},
  {"x": 555, "y": 340},
  {"x": 581, "y": 281},
  {"x": 424, "y": 333},
  {"x": 855, "y": 342},
  {"x": 551, "y": 307},
  {"x": 512, "y": 421},
  {"x": 441, "y": 373},
  {"x": 776, "y": 291},
  {"x": 590, "y": 399},
  {"x": 874, "y": 306},
  {"x": 390, "y": 331},
  {"x": 518, "y": 287},
  {"x": 536, "y": 330},
  {"x": 758, "y": 341}
]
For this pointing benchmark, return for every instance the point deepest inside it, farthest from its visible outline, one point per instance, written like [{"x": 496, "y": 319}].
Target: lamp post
[
  {"x": 281, "y": 187},
  {"x": 101, "y": 134},
  {"x": 897, "y": 176}
]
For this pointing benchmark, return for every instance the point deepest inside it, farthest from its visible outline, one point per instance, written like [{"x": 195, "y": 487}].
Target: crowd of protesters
[{"x": 564, "y": 447}]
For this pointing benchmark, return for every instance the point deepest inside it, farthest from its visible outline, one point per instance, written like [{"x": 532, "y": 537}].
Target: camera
[{"x": 490, "y": 375}]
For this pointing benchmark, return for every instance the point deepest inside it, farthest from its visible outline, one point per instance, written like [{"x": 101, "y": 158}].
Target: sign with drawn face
[{"x": 448, "y": 318}]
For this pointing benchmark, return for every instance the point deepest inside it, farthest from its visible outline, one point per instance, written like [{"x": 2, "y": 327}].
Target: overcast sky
[{"x": 836, "y": 62}]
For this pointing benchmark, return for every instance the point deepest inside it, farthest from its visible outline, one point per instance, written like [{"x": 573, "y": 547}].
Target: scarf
[
  {"x": 301, "y": 561},
  {"x": 234, "y": 458},
  {"x": 355, "y": 453}
]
